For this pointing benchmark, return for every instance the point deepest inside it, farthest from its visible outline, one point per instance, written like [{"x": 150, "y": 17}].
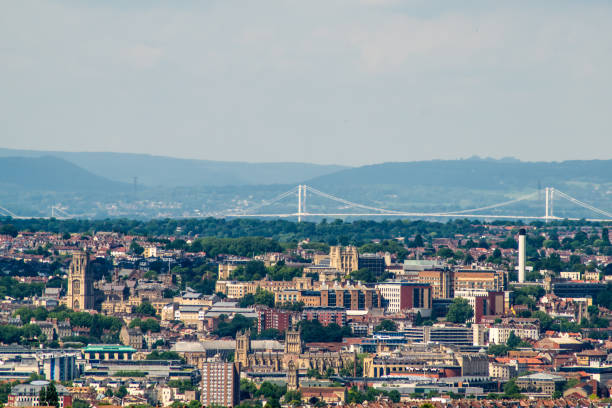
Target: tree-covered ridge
[{"x": 358, "y": 230}]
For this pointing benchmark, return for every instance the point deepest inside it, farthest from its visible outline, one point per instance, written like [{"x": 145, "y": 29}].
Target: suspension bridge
[
  {"x": 56, "y": 212},
  {"x": 369, "y": 211},
  {"x": 302, "y": 192}
]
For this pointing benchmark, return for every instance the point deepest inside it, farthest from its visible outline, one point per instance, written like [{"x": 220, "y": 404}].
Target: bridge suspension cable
[
  {"x": 349, "y": 203},
  {"x": 10, "y": 213},
  {"x": 62, "y": 213},
  {"x": 488, "y": 207},
  {"x": 272, "y": 201},
  {"x": 583, "y": 204}
]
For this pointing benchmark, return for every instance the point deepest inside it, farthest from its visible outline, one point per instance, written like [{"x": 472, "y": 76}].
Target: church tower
[
  {"x": 293, "y": 342},
  {"x": 80, "y": 283},
  {"x": 292, "y": 376},
  {"x": 243, "y": 348}
]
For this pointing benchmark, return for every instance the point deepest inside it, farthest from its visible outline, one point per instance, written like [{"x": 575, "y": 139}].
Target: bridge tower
[
  {"x": 301, "y": 202},
  {"x": 549, "y": 193}
]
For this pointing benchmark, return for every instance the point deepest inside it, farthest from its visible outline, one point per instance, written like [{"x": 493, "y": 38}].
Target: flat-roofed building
[
  {"x": 108, "y": 352},
  {"x": 372, "y": 262},
  {"x": 483, "y": 302},
  {"x": 325, "y": 315},
  {"x": 273, "y": 319},
  {"x": 498, "y": 334},
  {"x": 220, "y": 384},
  {"x": 399, "y": 296},
  {"x": 351, "y": 297},
  {"x": 440, "y": 280},
  {"x": 470, "y": 279}
]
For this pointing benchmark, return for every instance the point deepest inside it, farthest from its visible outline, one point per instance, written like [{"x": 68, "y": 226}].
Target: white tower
[{"x": 521, "y": 256}]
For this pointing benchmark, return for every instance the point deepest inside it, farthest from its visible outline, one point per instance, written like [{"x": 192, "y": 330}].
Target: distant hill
[
  {"x": 51, "y": 174},
  {"x": 172, "y": 172},
  {"x": 471, "y": 174}
]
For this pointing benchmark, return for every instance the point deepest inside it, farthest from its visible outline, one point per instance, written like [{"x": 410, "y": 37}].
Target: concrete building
[
  {"x": 431, "y": 363},
  {"x": 354, "y": 297},
  {"x": 220, "y": 384},
  {"x": 400, "y": 296},
  {"x": 483, "y": 302},
  {"x": 440, "y": 280},
  {"x": 470, "y": 279},
  {"x": 498, "y": 334},
  {"x": 59, "y": 366},
  {"x": 412, "y": 267},
  {"x": 455, "y": 335}
]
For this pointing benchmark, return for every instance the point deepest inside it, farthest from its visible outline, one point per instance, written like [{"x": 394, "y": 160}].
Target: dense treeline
[
  {"x": 101, "y": 328},
  {"x": 313, "y": 331},
  {"x": 17, "y": 290},
  {"x": 15, "y": 267},
  {"x": 243, "y": 246},
  {"x": 333, "y": 232},
  {"x": 197, "y": 274},
  {"x": 256, "y": 270},
  {"x": 28, "y": 334}
]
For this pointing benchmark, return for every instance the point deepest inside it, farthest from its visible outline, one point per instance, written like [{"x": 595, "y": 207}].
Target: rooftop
[{"x": 108, "y": 348}]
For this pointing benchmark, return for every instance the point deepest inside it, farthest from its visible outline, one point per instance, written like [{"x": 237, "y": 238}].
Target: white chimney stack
[{"x": 521, "y": 255}]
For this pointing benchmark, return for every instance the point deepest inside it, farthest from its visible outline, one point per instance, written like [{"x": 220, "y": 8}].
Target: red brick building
[
  {"x": 325, "y": 315},
  {"x": 273, "y": 319}
]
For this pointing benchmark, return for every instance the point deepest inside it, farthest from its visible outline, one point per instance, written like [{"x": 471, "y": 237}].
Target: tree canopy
[{"x": 459, "y": 311}]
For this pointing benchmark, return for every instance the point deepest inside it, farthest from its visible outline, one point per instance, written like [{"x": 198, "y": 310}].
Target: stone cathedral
[
  {"x": 80, "y": 284},
  {"x": 294, "y": 357}
]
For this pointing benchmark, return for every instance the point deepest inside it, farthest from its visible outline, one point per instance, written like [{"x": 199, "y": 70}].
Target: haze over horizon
[{"x": 335, "y": 82}]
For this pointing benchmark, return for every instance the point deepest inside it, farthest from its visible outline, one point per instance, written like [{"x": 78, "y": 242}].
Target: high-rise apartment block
[
  {"x": 220, "y": 384},
  {"x": 273, "y": 319}
]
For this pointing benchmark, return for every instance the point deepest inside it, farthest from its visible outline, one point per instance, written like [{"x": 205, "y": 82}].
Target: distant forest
[{"x": 331, "y": 232}]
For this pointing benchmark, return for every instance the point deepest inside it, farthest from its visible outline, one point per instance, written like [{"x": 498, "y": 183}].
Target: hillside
[
  {"x": 51, "y": 174},
  {"x": 172, "y": 172},
  {"x": 471, "y": 174}
]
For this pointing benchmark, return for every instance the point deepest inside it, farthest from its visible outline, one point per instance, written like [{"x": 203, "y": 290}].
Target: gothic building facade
[
  {"x": 80, "y": 284},
  {"x": 293, "y": 359}
]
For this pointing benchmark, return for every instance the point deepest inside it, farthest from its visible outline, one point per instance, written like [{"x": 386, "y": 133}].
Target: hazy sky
[{"x": 333, "y": 81}]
